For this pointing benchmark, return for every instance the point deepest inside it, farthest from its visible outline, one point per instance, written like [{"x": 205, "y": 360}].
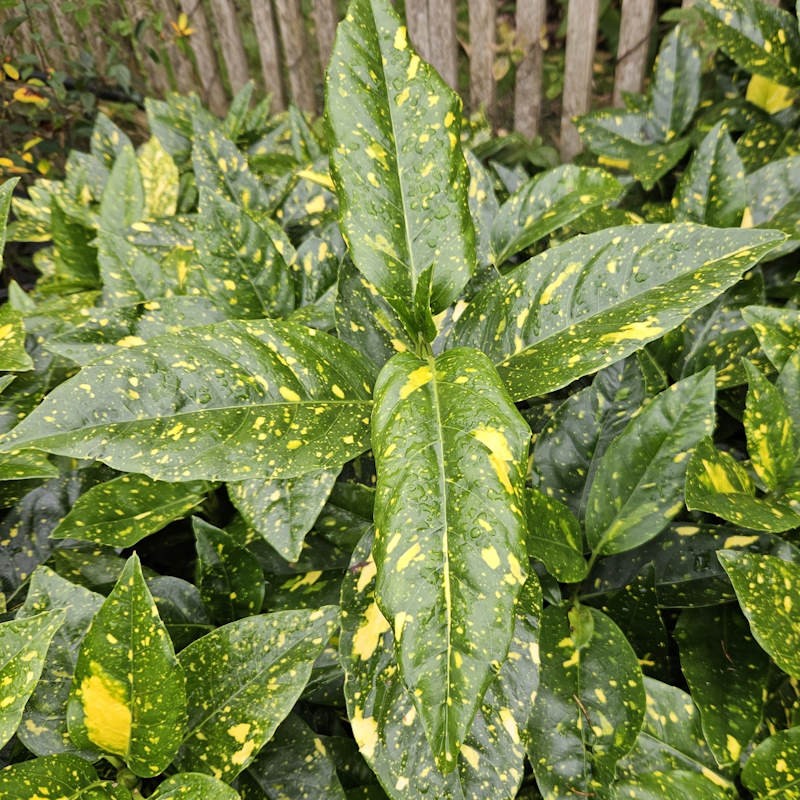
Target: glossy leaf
[
  {"x": 483, "y": 207},
  {"x": 773, "y": 197},
  {"x": 108, "y": 140},
  {"x": 757, "y": 36},
  {"x": 23, "y": 647},
  {"x": 124, "y": 510},
  {"x": 44, "y": 723},
  {"x": 384, "y": 717},
  {"x": 295, "y": 765},
  {"x": 57, "y": 777},
  {"x": 181, "y": 608},
  {"x": 128, "y": 694},
  {"x": 166, "y": 408},
  {"x": 772, "y": 436},
  {"x": 727, "y": 673},
  {"x": 123, "y": 200},
  {"x": 589, "y": 706},
  {"x": 450, "y": 452},
  {"x": 597, "y": 298},
  {"x": 22, "y": 465},
  {"x": 712, "y": 191},
  {"x": 6, "y": 194},
  {"x": 778, "y": 331},
  {"x": 246, "y": 676},
  {"x": 13, "y": 357},
  {"x": 160, "y": 179},
  {"x": 676, "y": 84},
  {"x": 771, "y": 770},
  {"x": 638, "y": 486},
  {"x": 554, "y": 537},
  {"x": 191, "y": 785},
  {"x": 674, "y": 783},
  {"x": 283, "y": 511},
  {"x": 768, "y": 589},
  {"x": 401, "y": 179},
  {"x": 718, "y": 484},
  {"x": 229, "y": 577},
  {"x": 547, "y": 202}
]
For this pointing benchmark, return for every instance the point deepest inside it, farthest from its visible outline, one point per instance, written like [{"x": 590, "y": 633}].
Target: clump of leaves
[{"x": 274, "y": 524}]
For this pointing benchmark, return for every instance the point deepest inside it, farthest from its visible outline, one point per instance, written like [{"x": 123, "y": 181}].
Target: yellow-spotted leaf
[
  {"x": 108, "y": 140},
  {"x": 23, "y": 647},
  {"x": 638, "y": 487},
  {"x": 160, "y": 179},
  {"x": 44, "y": 723},
  {"x": 597, "y": 298},
  {"x": 193, "y": 786},
  {"x": 245, "y": 678},
  {"x": 589, "y": 706},
  {"x": 217, "y": 402},
  {"x": 768, "y": 590},
  {"x": 718, "y": 484},
  {"x": 383, "y": 714},
  {"x": 713, "y": 189},
  {"x": 661, "y": 784},
  {"x": 123, "y": 200},
  {"x": 400, "y": 176},
  {"x": 773, "y": 197},
  {"x": 124, "y": 510},
  {"x": 57, "y": 777},
  {"x": 773, "y": 767},
  {"x": 547, "y": 202},
  {"x": 727, "y": 673},
  {"x": 554, "y": 537},
  {"x": 777, "y": 329},
  {"x": 6, "y": 194},
  {"x": 772, "y": 435},
  {"x": 451, "y": 453},
  {"x": 758, "y": 36},
  {"x": 283, "y": 511},
  {"x": 13, "y": 357},
  {"x": 128, "y": 694}
]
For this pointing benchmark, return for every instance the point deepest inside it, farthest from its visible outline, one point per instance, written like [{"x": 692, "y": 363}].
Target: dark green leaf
[
  {"x": 123, "y": 200},
  {"x": 246, "y": 676},
  {"x": 772, "y": 769},
  {"x": 713, "y": 188},
  {"x": 13, "y": 357},
  {"x": 215, "y": 402},
  {"x": 384, "y": 717},
  {"x": 450, "y": 451},
  {"x": 758, "y": 36},
  {"x": 23, "y": 647},
  {"x": 193, "y": 786},
  {"x": 727, "y": 674},
  {"x": 283, "y": 511},
  {"x": 483, "y": 207},
  {"x": 44, "y": 723},
  {"x": 128, "y": 693},
  {"x": 778, "y": 331},
  {"x": 768, "y": 589},
  {"x": 547, "y": 202},
  {"x": 108, "y": 140},
  {"x": 718, "y": 484},
  {"x": 661, "y": 784},
  {"x": 230, "y": 579},
  {"x": 590, "y": 703},
  {"x": 6, "y": 193},
  {"x": 401, "y": 179},
  {"x": 21, "y": 465},
  {"x": 554, "y": 537},
  {"x": 74, "y": 253},
  {"x": 597, "y": 298},
  {"x": 773, "y": 197},
  {"x": 638, "y": 486},
  {"x": 181, "y": 608},
  {"x": 676, "y": 84},
  {"x": 124, "y": 510}
]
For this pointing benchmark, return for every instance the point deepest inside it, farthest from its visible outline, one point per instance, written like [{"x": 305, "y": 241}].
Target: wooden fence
[{"x": 221, "y": 44}]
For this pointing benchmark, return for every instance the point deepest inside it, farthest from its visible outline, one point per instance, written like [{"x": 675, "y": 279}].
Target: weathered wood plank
[
  {"x": 582, "y": 18},
  {"x": 325, "y": 19},
  {"x": 482, "y": 31},
  {"x": 208, "y": 72},
  {"x": 528, "y": 90},
  {"x": 295, "y": 50},
  {"x": 230, "y": 40},
  {"x": 182, "y": 67},
  {"x": 417, "y": 21},
  {"x": 442, "y": 39},
  {"x": 269, "y": 52},
  {"x": 634, "y": 42},
  {"x": 152, "y": 70}
]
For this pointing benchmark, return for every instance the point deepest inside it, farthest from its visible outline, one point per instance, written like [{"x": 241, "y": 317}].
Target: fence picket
[
  {"x": 211, "y": 89},
  {"x": 419, "y": 27},
  {"x": 482, "y": 29},
  {"x": 442, "y": 26},
  {"x": 230, "y": 39},
  {"x": 182, "y": 68},
  {"x": 635, "y": 27},
  {"x": 157, "y": 77},
  {"x": 292, "y": 28},
  {"x": 582, "y": 19},
  {"x": 528, "y": 89},
  {"x": 325, "y": 19}
]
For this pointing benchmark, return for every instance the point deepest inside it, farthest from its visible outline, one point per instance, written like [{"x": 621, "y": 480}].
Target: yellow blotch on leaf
[
  {"x": 471, "y": 756},
  {"x": 287, "y": 394},
  {"x": 408, "y": 556},
  {"x": 609, "y": 161},
  {"x": 400, "y": 38},
  {"x": 417, "y": 378},
  {"x": 106, "y": 714},
  {"x": 239, "y": 732},
  {"x": 489, "y": 555},
  {"x": 646, "y": 329},
  {"x": 365, "y": 731},
  {"x": 734, "y": 747},
  {"x": 720, "y": 479},
  {"x": 241, "y": 756},
  {"x": 500, "y": 454},
  {"x": 368, "y": 635},
  {"x": 768, "y": 94}
]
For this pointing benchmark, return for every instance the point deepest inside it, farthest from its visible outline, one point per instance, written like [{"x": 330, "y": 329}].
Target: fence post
[
  {"x": 182, "y": 68},
  {"x": 269, "y": 52},
  {"x": 582, "y": 18},
  {"x": 530, "y": 23},
  {"x": 230, "y": 39},
  {"x": 482, "y": 26},
  {"x": 154, "y": 72},
  {"x": 325, "y": 18},
  {"x": 634, "y": 42},
  {"x": 442, "y": 39},
  {"x": 208, "y": 74},
  {"x": 419, "y": 27},
  {"x": 67, "y": 31},
  {"x": 298, "y": 66}
]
